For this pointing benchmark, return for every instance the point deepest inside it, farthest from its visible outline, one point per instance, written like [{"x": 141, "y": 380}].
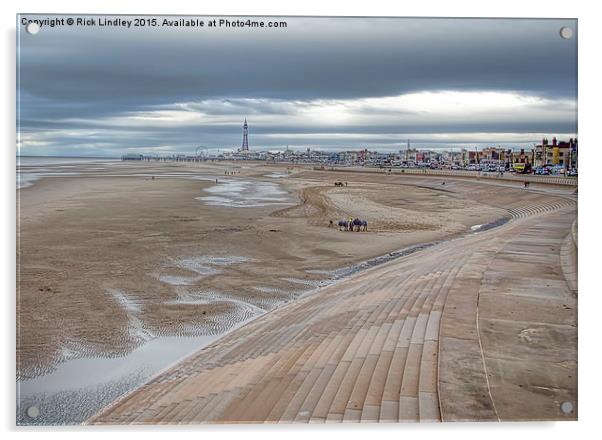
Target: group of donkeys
[{"x": 353, "y": 225}]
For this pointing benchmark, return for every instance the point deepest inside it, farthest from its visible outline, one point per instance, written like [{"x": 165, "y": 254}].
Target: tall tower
[{"x": 245, "y": 136}]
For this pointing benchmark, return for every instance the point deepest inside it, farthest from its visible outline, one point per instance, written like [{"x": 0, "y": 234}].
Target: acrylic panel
[{"x": 295, "y": 219}]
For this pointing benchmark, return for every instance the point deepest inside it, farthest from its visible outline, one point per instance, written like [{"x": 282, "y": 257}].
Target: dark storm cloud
[{"x": 72, "y": 79}]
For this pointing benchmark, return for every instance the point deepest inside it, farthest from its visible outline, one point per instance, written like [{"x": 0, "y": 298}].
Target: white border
[{"x": 589, "y": 131}]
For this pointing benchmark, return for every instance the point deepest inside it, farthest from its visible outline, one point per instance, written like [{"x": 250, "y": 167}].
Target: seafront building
[{"x": 559, "y": 154}]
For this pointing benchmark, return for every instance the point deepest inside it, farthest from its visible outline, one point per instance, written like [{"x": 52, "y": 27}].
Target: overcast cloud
[{"x": 320, "y": 82}]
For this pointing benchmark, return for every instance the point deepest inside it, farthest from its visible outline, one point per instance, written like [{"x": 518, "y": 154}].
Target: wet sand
[{"x": 111, "y": 257}]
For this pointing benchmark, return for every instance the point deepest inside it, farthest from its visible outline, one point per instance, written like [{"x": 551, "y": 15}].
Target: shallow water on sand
[
  {"x": 79, "y": 388},
  {"x": 277, "y": 175},
  {"x": 31, "y": 169},
  {"x": 26, "y": 179},
  {"x": 245, "y": 194}
]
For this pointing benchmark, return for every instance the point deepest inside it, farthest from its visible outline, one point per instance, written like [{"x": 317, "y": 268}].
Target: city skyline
[{"x": 324, "y": 83}]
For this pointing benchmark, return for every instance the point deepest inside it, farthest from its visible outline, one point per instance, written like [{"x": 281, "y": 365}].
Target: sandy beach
[
  {"x": 112, "y": 257},
  {"x": 95, "y": 250}
]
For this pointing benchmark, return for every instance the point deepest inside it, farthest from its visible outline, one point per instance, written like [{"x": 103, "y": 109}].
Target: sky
[{"x": 323, "y": 83}]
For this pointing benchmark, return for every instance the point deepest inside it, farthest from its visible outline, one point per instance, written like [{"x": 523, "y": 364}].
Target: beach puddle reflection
[
  {"x": 79, "y": 388},
  {"x": 277, "y": 175},
  {"x": 245, "y": 194},
  {"x": 175, "y": 280}
]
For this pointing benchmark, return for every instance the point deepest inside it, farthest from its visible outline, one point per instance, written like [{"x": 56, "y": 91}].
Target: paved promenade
[
  {"x": 482, "y": 327},
  {"x": 478, "y": 175}
]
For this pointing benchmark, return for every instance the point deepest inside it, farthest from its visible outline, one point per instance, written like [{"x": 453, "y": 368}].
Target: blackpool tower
[{"x": 245, "y": 136}]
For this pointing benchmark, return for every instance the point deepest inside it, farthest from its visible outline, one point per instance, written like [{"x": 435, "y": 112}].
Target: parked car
[{"x": 572, "y": 172}]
